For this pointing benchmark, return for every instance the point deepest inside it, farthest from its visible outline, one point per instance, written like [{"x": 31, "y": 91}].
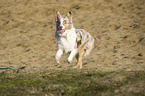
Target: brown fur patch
[
  {"x": 78, "y": 43},
  {"x": 69, "y": 27}
]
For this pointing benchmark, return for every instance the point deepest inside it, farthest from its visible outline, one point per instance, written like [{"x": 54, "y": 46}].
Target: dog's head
[{"x": 63, "y": 23}]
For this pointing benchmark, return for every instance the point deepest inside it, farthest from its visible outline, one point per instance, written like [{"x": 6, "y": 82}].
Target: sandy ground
[{"x": 27, "y": 29}]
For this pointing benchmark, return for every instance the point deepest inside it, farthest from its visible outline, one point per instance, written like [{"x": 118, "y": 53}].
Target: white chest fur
[{"x": 67, "y": 41}]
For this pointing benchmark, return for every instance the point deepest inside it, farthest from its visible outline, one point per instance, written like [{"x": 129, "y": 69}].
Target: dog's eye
[{"x": 64, "y": 22}]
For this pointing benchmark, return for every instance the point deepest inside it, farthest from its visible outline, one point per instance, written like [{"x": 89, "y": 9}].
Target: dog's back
[{"x": 84, "y": 41}]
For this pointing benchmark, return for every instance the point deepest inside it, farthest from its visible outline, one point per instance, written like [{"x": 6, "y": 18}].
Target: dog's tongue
[{"x": 61, "y": 31}]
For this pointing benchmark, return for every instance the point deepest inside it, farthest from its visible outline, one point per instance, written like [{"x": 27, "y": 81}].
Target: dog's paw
[
  {"x": 69, "y": 61},
  {"x": 77, "y": 67},
  {"x": 56, "y": 64},
  {"x": 74, "y": 66}
]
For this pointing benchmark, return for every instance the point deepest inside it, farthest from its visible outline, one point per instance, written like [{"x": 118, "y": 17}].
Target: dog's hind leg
[
  {"x": 58, "y": 56},
  {"x": 79, "y": 58}
]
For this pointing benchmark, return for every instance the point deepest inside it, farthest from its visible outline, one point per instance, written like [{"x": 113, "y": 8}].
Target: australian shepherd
[{"x": 69, "y": 39}]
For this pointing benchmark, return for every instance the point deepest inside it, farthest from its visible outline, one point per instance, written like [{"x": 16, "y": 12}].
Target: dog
[{"x": 69, "y": 39}]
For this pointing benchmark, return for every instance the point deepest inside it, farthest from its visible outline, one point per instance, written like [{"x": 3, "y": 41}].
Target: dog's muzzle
[{"x": 61, "y": 31}]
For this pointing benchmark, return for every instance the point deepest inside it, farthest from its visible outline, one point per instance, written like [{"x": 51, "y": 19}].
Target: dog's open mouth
[{"x": 61, "y": 31}]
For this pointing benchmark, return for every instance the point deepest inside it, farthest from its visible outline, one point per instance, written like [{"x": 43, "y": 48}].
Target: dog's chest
[{"x": 68, "y": 42}]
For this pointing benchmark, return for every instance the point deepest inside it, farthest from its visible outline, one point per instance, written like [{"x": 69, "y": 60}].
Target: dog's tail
[{"x": 97, "y": 42}]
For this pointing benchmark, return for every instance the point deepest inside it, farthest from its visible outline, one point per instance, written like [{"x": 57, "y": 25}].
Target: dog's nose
[{"x": 60, "y": 27}]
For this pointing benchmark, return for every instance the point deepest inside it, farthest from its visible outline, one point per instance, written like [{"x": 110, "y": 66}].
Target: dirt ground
[{"x": 27, "y": 29}]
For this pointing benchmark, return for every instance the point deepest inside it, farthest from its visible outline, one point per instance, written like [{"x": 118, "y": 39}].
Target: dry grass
[{"x": 73, "y": 82}]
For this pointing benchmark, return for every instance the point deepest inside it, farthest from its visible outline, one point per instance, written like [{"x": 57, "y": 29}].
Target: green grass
[{"x": 73, "y": 83}]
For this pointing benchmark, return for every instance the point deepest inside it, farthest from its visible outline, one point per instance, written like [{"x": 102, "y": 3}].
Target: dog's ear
[
  {"x": 57, "y": 16},
  {"x": 69, "y": 16}
]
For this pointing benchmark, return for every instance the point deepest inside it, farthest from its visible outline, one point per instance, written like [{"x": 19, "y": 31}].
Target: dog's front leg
[
  {"x": 72, "y": 54},
  {"x": 58, "y": 56}
]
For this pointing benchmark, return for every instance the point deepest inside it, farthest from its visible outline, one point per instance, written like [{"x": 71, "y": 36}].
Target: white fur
[{"x": 66, "y": 42}]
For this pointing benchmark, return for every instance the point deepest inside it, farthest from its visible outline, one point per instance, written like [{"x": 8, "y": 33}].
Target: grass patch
[{"x": 73, "y": 82}]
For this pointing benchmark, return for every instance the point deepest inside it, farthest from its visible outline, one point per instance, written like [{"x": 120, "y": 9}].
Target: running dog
[{"x": 69, "y": 39}]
